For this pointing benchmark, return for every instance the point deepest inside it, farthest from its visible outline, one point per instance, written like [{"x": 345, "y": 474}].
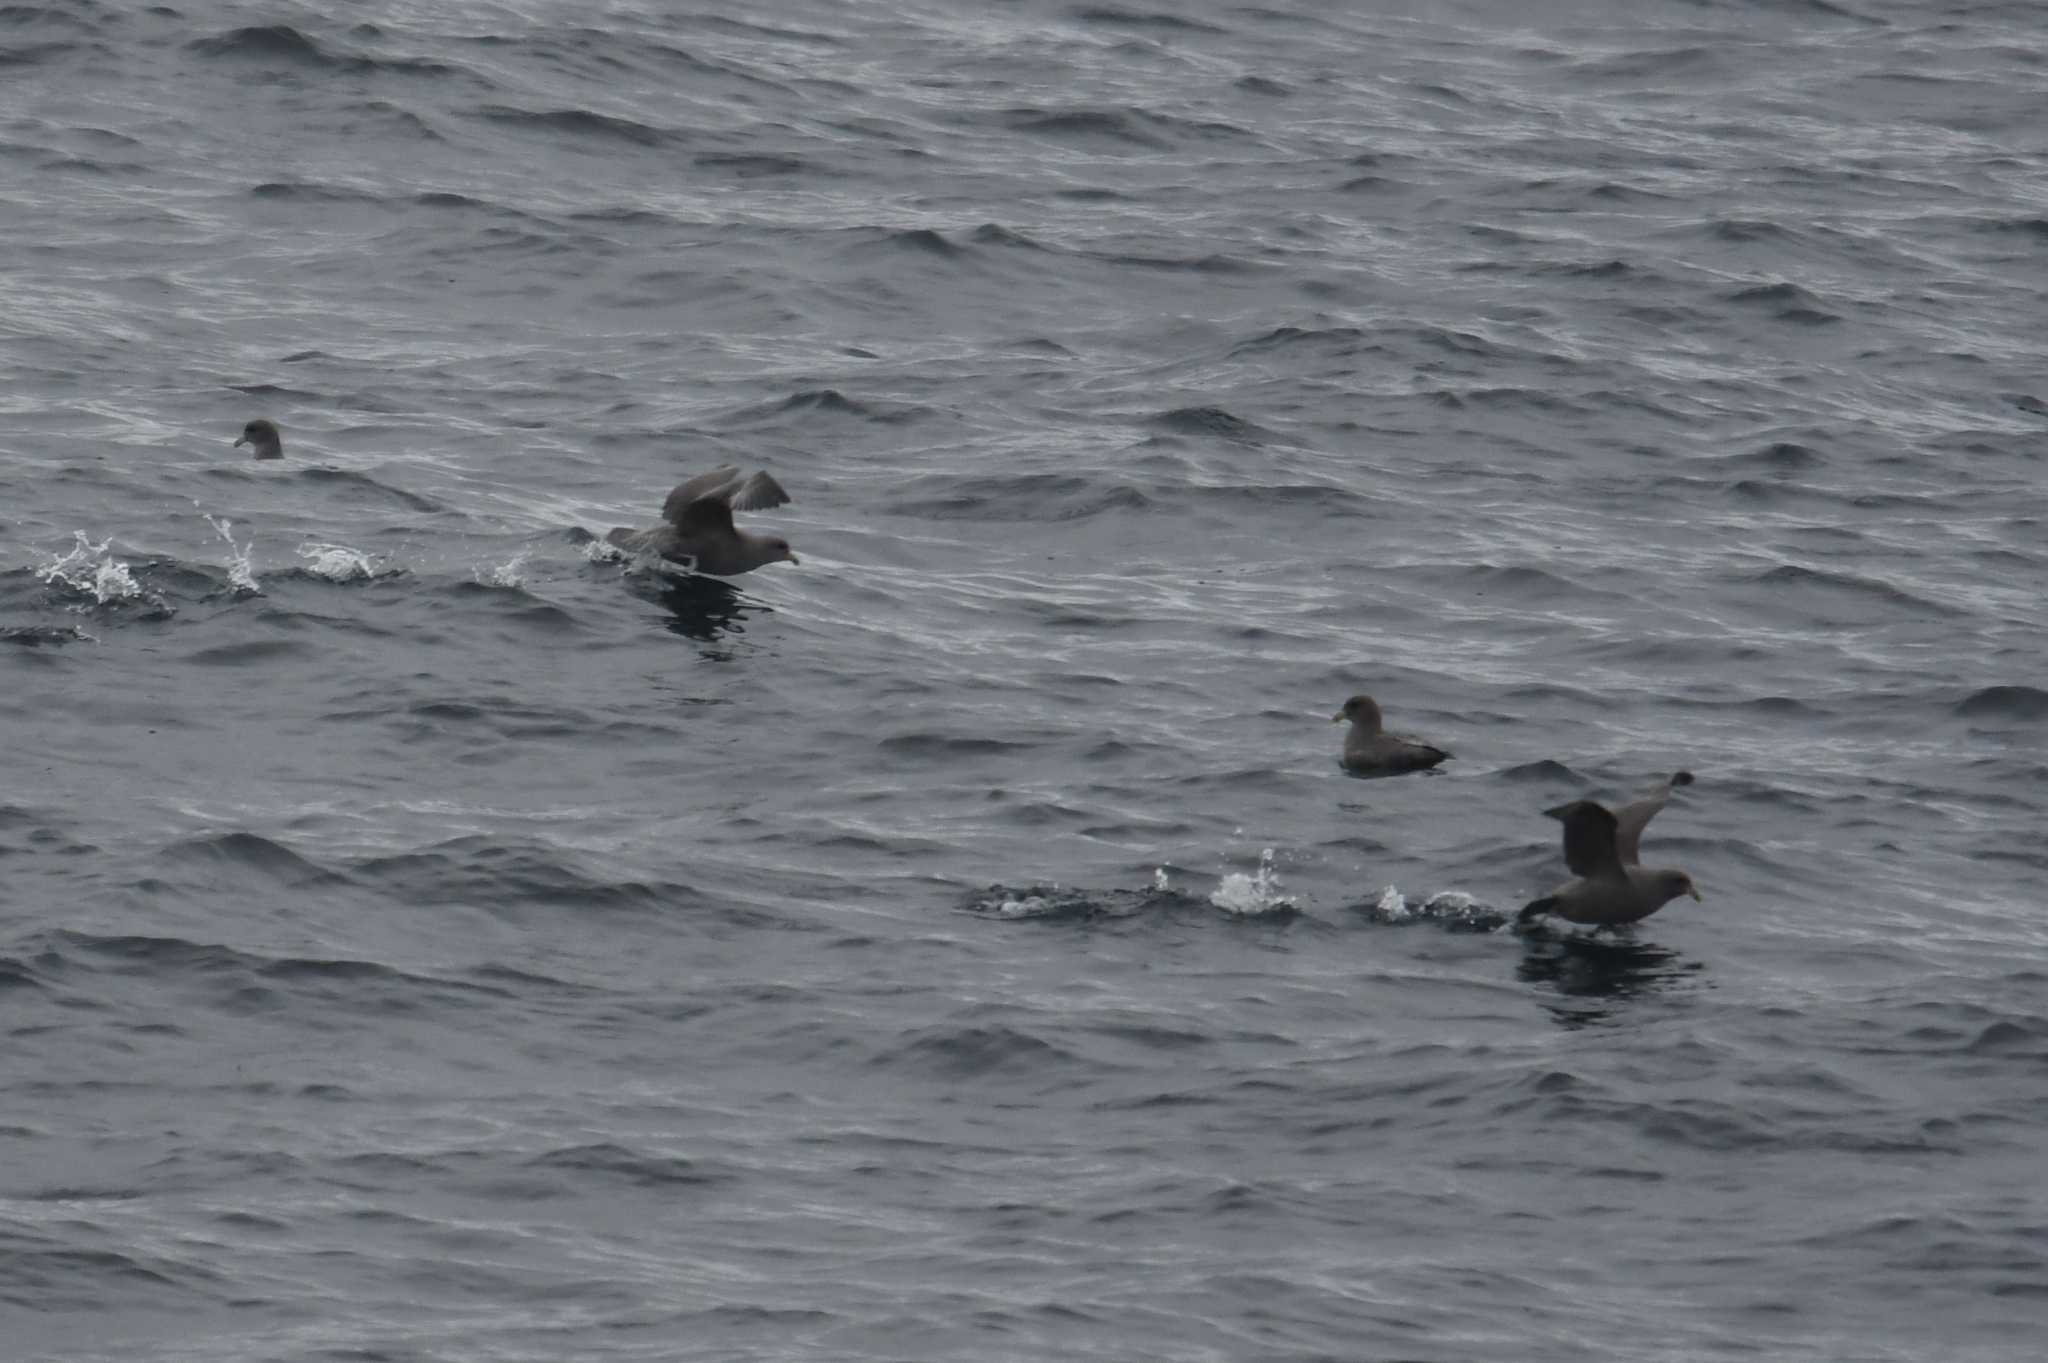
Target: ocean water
[{"x": 426, "y": 937}]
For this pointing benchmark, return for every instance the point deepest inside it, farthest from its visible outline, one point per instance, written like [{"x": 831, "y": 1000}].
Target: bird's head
[
  {"x": 262, "y": 436},
  {"x": 1671, "y": 884},
  {"x": 1361, "y": 710}
]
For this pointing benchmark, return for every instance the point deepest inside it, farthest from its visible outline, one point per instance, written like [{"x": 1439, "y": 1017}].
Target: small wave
[
  {"x": 1339, "y": 341},
  {"x": 1256, "y": 895},
  {"x": 1212, "y": 421},
  {"x": 1370, "y": 184},
  {"x": 2025, "y": 1038},
  {"x": 2032, "y": 225},
  {"x": 1535, "y": 584},
  {"x": 718, "y": 23},
  {"x": 269, "y": 41},
  {"x": 38, "y": 636},
  {"x": 281, "y": 43},
  {"x": 1794, "y": 575},
  {"x": 248, "y": 849},
  {"x": 249, "y": 651},
  {"x": 353, "y": 481},
  {"x": 826, "y": 400},
  {"x": 995, "y": 234},
  {"x": 2005, "y": 702},
  {"x": 1542, "y": 772},
  {"x": 16, "y": 974},
  {"x": 1104, "y": 16},
  {"x": 1788, "y": 302},
  {"x": 1213, "y": 263},
  {"x": 755, "y": 165},
  {"x": 942, "y": 746},
  {"x": 273, "y": 390},
  {"x": 474, "y": 868},
  {"x": 1746, "y": 230},
  {"x": 24, "y": 16},
  {"x": 444, "y": 199},
  {"x": 627, "y": 1166},
  {"x": 301, "y": 191},
  {"x": 1782, "y": 454},
  {"x": 922, "y": 240},
  {"x": 1024, "y": 497},
  {"x": 1058, "y": 904},
  {"x": 577, "y": 123},
  {"x": 979, "y": 1053},
  {"x": 1116, "y": 126}
]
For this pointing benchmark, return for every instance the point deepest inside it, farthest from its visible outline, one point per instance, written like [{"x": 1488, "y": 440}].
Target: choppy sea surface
[{"x": 426, "y": 936}]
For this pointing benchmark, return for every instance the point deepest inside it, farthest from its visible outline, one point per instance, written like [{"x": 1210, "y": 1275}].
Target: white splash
[
  {"x": 241, "y": 572},
  {"x": 504, "y": 574},
  {"x": 1248, "y": 896},
  {"x": 1465, "y": 910},
  {"x": 90, "y": 568},
  {"x": 1030, "y": 906},
  {"x": 337, "y": 562},
  {"x": 1393, "y": 906},
  {"x": 1160, "y": 883}
]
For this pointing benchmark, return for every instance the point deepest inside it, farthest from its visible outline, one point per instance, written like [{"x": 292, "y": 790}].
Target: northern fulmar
[
  {"x": 262, "y": 437},
  {"x": 700, "y": 531},
  {"x": 1370, "y": 750},
  {"x": 1600, "y": 846}
]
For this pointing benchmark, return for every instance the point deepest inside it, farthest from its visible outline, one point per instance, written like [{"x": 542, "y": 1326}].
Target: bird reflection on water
[
  {"x": 1592, "y": 972},
  {"x": 706, "y": 609}
]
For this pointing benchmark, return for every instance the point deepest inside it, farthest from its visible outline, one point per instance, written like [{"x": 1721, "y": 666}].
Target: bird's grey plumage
[
  {"x": 1590, "y": 834},
  {"x": 1369, "y": 750},
  {"x": 724, "y": 486},
  {"x": 1611, "y": 891},
  {"x": 1632, "y": 818},
  {"x": 261, "y": 435},
  {"x": 700, "y": 530}
]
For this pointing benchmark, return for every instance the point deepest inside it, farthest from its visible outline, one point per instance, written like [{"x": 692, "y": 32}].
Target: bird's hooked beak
[
  {"x": 1694, "y": 891},
  {"x": 239, "y": 441},
  {"x": 793, "y": 558},
  {"x": 1337, "y": 718}
]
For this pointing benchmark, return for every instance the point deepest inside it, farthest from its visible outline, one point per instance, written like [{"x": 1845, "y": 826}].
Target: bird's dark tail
[{"x": 1534, "y": 910}]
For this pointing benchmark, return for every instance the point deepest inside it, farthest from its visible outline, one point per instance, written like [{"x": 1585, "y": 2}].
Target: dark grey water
[{"x": 423, "y": 938}]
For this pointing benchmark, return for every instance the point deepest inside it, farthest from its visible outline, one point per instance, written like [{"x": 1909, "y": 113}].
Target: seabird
[
  {"x": 700, "y": 531},
  {"x": 1371, "y": 751},
  {"x": 261, "y": 435},
  {"x": 1600, "y": 848}
]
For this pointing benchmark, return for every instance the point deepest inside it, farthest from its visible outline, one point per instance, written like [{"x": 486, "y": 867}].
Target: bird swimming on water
[
  {"x": 261, "y": 435},
  {"x": 1371, "y": 751},
  {"x": 1600, "y": 846},
  {"x": 699, "y": 529}
]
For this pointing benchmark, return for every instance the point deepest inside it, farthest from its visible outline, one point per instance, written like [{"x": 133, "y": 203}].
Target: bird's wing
[
  {"x": 1632, "y": 818},
  {"x": 1588, "y": 838},
  {"x": 718, "y": 485},
  {"x": 707, "y": 501},
  {"x": 758, "y": 493}
]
